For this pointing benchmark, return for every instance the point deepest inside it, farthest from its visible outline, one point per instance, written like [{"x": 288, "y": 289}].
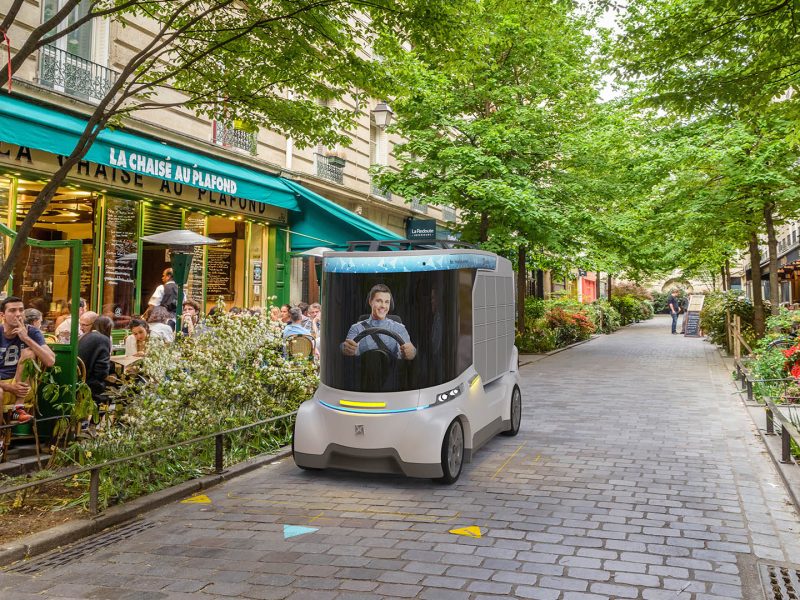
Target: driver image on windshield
[{"x": 380, "y": 302}]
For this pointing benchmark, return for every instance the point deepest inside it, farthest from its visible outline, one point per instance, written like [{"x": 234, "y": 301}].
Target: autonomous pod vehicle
[{"x": 418, "y": 363}]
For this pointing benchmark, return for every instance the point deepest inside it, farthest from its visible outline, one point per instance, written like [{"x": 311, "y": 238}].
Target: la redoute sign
[{"x": 165, "y": 169}]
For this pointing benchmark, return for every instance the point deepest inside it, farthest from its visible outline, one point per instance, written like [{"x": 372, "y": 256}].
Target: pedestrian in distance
[{"x": 674, "y": 308}]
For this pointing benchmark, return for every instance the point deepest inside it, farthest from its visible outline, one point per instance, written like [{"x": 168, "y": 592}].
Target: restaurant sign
[{"x": 161, "y": 180}]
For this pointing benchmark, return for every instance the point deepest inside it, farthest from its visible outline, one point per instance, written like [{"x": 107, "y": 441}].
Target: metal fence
[
  {"x": 379, "y": 192},
  {"x": 419, "y": 206},
  {"x": 70, "y": 74},
  {"x": 95, "y": 470}
]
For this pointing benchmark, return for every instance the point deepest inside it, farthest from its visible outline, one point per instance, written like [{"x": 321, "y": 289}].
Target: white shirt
[
  {"x": 155, "y": 299},
  {"x": 163, "y": 331}
]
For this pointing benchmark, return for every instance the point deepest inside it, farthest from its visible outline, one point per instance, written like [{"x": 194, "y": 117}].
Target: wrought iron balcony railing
[
  {"x": 65, "y": 72},
  {"x": 449, "y": 214},
  {"x": 419, "y": 206},
  {"x": 330, "y": 167},
  {"x": 375, "y": 190},
  {"x": 229, "y": 136}
]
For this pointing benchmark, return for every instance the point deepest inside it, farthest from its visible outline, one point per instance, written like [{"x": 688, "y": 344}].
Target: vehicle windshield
[{"x": 391, "y": 332}]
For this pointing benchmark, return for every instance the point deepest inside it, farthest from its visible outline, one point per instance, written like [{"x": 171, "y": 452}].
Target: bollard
[
  {"x": 749, "y": 391},
  {"x": 770, "y": 426},
  {"x": 219, "y": 462},
  {"x": 94, "y": 488},
  {"x": 786, "y": 457}
]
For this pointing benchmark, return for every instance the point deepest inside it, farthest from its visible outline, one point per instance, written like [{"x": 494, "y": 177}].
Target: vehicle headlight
[{"x": 449, "y": 394}]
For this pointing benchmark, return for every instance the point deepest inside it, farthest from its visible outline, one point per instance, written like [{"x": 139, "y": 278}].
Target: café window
[
  {"x": 119, "y": 260},
  {"x": 42, "y": 275}
]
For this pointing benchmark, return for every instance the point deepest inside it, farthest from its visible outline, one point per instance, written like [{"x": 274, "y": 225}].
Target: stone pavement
[{"x": 637, "y": 474}]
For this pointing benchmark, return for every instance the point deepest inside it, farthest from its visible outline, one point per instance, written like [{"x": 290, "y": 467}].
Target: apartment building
[{"x": 264, "y": 200}]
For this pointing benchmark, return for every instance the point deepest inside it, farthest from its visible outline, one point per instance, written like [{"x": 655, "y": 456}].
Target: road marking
[
  {"x": 295, "y": 530},
  {"x": 199, "y": 499},
  {"x": 503, "y": 466},
  {"x": 471, "y": 531}
]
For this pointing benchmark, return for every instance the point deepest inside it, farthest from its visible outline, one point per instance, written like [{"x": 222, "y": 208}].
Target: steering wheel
[{"x": 378, "y": 331}]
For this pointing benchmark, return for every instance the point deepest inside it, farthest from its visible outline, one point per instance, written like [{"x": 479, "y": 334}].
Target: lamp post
[
  {"x": 181, "y": 243},
  {"x": 382, "y": 114}
]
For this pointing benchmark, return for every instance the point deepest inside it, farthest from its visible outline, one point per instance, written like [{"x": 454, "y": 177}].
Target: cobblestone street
[{"x": 637, "y": 474}]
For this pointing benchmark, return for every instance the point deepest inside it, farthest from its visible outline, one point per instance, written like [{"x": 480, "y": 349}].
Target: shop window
[
  {"x": 5, "y": 198},
  {"x": 119, "y": 260},
  {"x": 225, "y": 262},
  {"x": 156, "y": 218},
  {"x": 195, "y": 286},
  {"x": 42, "y": 276}
]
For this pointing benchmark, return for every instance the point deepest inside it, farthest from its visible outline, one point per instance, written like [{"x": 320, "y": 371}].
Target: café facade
[{"x": 129, "y": 185}]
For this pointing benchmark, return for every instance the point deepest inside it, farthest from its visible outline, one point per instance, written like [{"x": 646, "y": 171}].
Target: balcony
[
  {"x": 379, "y": 192},
  {"x": 419, "y": 206},
  {"x": 231, "y": 136},
  {"x": 449, "y": 214},
  {"x": 330, "y": 167},
  {"x": 70, "y": 74}
]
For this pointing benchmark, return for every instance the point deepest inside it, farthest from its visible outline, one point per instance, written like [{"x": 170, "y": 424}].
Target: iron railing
[
  {"x": 94, "y": 470},
  {"x": 376, "y": 190},
  {"x": 449, "y": 214},
  {"x": 330, "y": 167},
  {"x": 68, "y": 73},
  {"x": 229, "y": 136},
  {"x": 419, "y": 206}
]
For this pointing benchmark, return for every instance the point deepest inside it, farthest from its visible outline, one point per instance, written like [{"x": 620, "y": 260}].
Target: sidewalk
[{"x": 637, "y": 474}]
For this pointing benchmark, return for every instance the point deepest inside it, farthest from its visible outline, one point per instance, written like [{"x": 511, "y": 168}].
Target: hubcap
[
  {"x": 516, "y": 408},
  {"x": 455, "y": 448}
]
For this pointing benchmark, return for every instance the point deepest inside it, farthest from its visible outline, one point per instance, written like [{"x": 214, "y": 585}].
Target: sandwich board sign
[{"x": 692, "y": 327}]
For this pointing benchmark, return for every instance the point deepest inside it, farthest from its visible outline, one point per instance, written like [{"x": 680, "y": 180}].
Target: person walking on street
[{"x": 674, "y": 307}]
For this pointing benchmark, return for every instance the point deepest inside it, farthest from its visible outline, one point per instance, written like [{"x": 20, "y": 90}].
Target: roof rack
[{"x": 393, "y": 245}]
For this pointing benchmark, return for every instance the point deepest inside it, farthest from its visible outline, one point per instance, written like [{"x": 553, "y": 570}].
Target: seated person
[
  {"x": 159, "y": 324},
  {"x": 86, "y": 322},
  {"x": 136, "y": 342},
  {"x": 295, "y": 326},
  {"x": 191, "y": 316},
  {"x": 380, "y": 301},
  {"x": 64, "y": 328},
  {"x": 94, "y": 349},
  {"x": 18, "y": 343},
  {"x": 33, "y": 317}
]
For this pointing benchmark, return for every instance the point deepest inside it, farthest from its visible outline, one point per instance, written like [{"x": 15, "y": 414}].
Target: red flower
[{"x": 796, "y": 371}]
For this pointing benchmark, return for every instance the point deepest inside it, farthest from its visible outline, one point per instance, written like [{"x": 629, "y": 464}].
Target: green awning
[
  {"x": 27, "y": 124},
  {"x": 322, "y": 222}
]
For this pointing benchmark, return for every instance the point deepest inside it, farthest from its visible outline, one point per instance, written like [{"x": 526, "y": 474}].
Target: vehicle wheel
[
  {"x": 516, "y": 413},
  {"x": 305, "y": 468},
  {"x": 452, "y": 452}
]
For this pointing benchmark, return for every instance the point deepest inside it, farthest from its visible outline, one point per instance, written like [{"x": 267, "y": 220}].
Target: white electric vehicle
[{"x": 418, "y": 363}]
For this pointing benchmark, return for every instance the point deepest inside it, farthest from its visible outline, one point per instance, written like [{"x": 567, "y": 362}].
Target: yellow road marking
[
  {"x": 471, "y": 531},
  {"x": 199, "y": 499},
  {"x": 503, "y": 466}
]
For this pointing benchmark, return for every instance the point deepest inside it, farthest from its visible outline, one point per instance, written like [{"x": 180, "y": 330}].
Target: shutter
[{"x": 158, "y": 219}]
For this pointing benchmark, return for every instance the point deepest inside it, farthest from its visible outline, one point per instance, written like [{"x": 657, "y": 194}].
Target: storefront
[{"x": 130, "y": 186}]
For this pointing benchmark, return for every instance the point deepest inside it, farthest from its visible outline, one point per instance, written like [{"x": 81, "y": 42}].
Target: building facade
[{"x": 264, "y": 201}]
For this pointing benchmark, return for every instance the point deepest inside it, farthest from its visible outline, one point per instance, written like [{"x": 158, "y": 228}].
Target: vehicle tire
[
  {"x": 452, "y": 452},
  {"x": 305, "y": 468},
  {"x": 516, "y": 413}
]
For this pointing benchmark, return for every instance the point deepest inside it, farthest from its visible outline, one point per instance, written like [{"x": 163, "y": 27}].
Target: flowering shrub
[
  {"x": 604, "y": 316},
  {"x": 563, "y": 322},
  {"x": 712, "y": 317},
  {"x": 234, "y": 373}
]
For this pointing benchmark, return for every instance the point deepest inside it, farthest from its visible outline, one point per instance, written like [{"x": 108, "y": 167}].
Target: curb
[
  {"x": 537, "y": 357},
  {"x": 68, "y": 533}
]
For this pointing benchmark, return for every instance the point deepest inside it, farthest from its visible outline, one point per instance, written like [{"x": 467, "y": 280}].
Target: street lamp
[
  {"x": 382, "y": 114},
  {"x": 181, "y": 243}
]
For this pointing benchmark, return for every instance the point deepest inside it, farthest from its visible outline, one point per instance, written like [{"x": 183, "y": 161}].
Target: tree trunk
[
  {"x": 608, "y": 290},
  {"x": 484, "y": 229},
  {"x": 758, "y": 301},
  {"x": 772, "y": 243},
  {"x": 522, "y": 275},
  {"x": 722, "y": 275},
  {"x": 728, "y": 273}
]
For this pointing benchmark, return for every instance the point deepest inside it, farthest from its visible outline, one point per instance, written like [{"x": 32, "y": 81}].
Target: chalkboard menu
[
  {"x": 220, "y": 270},
  {"x": 692, "y": 324},
  {"x": 194, "y": 289},
  {"x": 86, "y": 270},
  {"x": 120, "y": 242}
]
